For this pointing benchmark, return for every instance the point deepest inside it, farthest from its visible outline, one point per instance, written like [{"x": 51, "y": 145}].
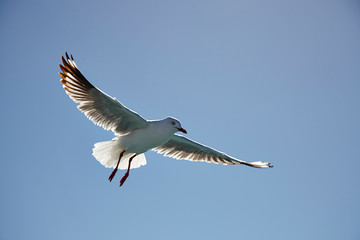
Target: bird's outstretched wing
[
  {"x": 180, "y": 147},
  {"x": 99, "y": 107}
]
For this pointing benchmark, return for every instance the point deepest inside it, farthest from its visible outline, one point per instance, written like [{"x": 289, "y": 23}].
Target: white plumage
[
  {"x": 135, "y": 135},
  {"x": 107, "y": 153}
]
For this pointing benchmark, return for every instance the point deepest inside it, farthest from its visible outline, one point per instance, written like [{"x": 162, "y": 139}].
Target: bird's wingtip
[
  {"x": 268, "y": 165},
  {"x": 261, "y": 164}
]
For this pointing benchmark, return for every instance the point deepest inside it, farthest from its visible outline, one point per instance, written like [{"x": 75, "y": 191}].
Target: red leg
[
  {"x": 127, "y": 172},
  {"x": 112, "y": 175}
]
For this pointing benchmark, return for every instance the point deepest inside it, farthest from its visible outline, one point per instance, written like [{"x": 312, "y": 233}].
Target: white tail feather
[{"x": 107, "y": 153}]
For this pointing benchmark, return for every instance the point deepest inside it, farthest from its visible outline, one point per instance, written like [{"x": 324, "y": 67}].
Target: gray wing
[
  {"x": 180, "y": 147},
  {"x": 99, "y": 107}
]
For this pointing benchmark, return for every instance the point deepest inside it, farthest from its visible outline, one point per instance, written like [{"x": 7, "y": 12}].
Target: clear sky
[{"x": 276, "y": 81}]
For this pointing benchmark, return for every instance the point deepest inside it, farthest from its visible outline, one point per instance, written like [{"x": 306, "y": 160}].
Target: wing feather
[
  {"x": 99, "y": 107},
  {"x": 180, "y": 147}
]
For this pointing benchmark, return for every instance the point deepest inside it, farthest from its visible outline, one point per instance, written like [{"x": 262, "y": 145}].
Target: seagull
[{"x": 134, "y": 134}]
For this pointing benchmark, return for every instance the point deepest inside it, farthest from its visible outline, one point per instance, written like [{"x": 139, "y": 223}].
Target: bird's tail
[{"x": 108, "y": 152}]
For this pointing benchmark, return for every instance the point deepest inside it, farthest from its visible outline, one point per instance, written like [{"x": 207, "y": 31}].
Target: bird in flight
[{"x": 134, "y": 134}]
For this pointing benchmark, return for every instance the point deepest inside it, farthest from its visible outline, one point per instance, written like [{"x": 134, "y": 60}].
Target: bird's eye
[{"x": 173, "y": 122}]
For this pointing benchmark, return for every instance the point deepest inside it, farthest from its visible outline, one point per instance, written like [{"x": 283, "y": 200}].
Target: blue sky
[{"x": 262, "y": 80}]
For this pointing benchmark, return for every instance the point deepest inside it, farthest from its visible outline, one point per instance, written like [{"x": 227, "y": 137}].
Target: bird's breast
[{"x": 141, "y": 140}]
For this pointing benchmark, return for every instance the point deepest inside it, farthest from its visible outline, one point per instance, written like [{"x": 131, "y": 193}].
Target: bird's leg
[
  {"x": 112, "y": 175},
  {"x": 127, "y": 172}
]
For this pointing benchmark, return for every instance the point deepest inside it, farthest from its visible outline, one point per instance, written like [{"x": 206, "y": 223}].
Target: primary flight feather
[{"x": 135, "y": 135}]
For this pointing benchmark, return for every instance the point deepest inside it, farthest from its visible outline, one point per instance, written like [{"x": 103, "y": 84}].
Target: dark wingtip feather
[
  {"x": 63, "y": 60},
  {"x": 67, "y": 56},
  {"x": 63, "y": 69},
  {"x": 68, "y": 68},
  {"x": 62, "y": 75}
]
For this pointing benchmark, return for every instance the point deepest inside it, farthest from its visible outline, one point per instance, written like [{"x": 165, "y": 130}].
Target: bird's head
[{"x": 175, "y": 125}]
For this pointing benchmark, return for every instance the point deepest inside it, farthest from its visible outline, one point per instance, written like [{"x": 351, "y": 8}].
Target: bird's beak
[{"x": 182, "y": 130}]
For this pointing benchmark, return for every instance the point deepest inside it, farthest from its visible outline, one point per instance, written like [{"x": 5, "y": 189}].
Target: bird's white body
[
  {"x": 140, "y": 140},
  {"x": 136, "y": 142}
]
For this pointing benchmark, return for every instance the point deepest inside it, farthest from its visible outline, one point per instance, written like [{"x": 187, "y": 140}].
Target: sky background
[{"x": 275, "y": 81}]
